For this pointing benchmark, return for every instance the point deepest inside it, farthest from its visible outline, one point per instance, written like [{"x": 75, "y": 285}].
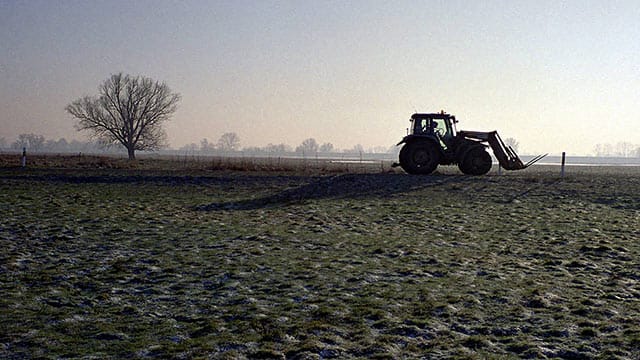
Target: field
[{"x": 261, "y": 260}]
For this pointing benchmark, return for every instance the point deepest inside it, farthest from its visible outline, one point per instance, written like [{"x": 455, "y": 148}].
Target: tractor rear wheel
[
  {"x": 419, "y": 158},
  {"x": 476, "y": 161}
]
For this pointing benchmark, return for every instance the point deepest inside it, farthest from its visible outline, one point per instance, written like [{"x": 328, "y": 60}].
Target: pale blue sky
[{"x": 556, "y": 75}]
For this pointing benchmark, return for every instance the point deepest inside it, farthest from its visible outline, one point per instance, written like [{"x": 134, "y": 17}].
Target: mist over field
[{"x": 554, "y": 76}]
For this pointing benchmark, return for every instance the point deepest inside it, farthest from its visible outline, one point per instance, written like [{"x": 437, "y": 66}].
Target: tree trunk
[{"x": 132, "y": 154}]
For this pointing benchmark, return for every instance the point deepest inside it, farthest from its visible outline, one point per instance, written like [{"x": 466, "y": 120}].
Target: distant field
[
  {"x": 270, "y": 165},
  {"x": 251, "y": 258}
]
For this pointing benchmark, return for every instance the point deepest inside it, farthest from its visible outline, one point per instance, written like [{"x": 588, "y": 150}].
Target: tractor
[{"x": 433, "y": 140}]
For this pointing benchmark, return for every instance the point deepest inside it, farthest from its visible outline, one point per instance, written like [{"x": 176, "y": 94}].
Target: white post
[{"x": 24, "y": 157}]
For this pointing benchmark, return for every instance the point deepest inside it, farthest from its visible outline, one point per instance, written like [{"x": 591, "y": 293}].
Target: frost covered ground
[{"x": 140, "y": 263}]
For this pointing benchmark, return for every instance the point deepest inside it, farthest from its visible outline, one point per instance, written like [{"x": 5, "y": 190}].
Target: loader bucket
[
  {"x": 508, "y": 158},
  {"x": 535, "y": 160}
]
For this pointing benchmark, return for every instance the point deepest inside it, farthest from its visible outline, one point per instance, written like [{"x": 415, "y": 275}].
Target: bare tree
[
  {"x": 128, "y": 111},
  {"x": 206, "y": 146},
  {"x": 598, "y": 150},
  {"x": 624, "y": 149},
  {"x": 21, "y": 142},
  {"x": 36, "y": 141},
  {"x": 356, "y": 149},
  {"x": 32, "y": 142},
  {"x": 279, "y": 148},
  {"x": 229, "y": 142},
  {"x": 308, "y": 147},
  {"x": 603, "y": 150},
  {"x": 326, "y": 147},
  {"x": 513, "y": 143},
  {"x": 190, "y": 147}
]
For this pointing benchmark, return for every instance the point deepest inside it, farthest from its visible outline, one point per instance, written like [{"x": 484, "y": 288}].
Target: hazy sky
[{"x": 555, "y": 75}]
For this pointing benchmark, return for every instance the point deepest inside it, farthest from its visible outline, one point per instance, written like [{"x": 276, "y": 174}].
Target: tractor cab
[{"x": 440, "y": 125}]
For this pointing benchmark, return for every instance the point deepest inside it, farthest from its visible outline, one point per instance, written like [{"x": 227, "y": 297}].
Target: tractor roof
[{"x": 440, "y": 115}]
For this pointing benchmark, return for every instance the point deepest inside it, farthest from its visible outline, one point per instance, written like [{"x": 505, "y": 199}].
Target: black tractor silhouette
[{"x": 433, "y": 140}]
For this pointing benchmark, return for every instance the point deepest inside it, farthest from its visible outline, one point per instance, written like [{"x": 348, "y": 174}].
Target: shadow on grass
[
  {"x": 337, "y": 187},
  {"x": 112, "y": 177}
]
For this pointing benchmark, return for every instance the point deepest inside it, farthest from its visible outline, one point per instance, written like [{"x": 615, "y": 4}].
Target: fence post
[
  {"x": 24, "y": 157},
  {"x": 562, "y": 166}
]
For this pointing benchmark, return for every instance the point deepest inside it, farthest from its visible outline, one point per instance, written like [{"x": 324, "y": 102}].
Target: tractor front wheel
[
  {"x": 476, "y": 161},
  {"x": 419, "y": 158}
]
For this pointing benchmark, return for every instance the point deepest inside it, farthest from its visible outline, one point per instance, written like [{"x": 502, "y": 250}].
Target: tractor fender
[
  {"x": 409, "y": 139},
  {"x": 413, "y": 138},
  {"x": 405, "y": 140}
]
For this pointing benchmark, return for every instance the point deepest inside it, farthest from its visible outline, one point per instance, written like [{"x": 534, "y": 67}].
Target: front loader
[{"x": 433, "y": 140}]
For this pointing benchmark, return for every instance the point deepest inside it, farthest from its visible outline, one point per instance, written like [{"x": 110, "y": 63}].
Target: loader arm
[{"x": 507, "y": 158}]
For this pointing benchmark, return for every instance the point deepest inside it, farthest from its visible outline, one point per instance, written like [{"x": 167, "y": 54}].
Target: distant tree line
[
  {"x": 230, "y": 142},
  {"x": 621, "y": 149},
  {"x": 38, "y": 143},
  {"x": 227, "y": 143}
]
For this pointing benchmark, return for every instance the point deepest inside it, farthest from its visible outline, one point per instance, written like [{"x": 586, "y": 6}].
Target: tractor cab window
[
  {"x": 424, "y": 126},
  {"x": 441, "y": 128}
]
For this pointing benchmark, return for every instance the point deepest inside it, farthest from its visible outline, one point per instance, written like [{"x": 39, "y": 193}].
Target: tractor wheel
[
  {"x": 419, "y": 158},
  {"x": 476, "y": 161}
]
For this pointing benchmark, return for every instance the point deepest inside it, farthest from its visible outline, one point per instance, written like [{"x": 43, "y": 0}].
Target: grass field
[{"x": 177, "y": 261}]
